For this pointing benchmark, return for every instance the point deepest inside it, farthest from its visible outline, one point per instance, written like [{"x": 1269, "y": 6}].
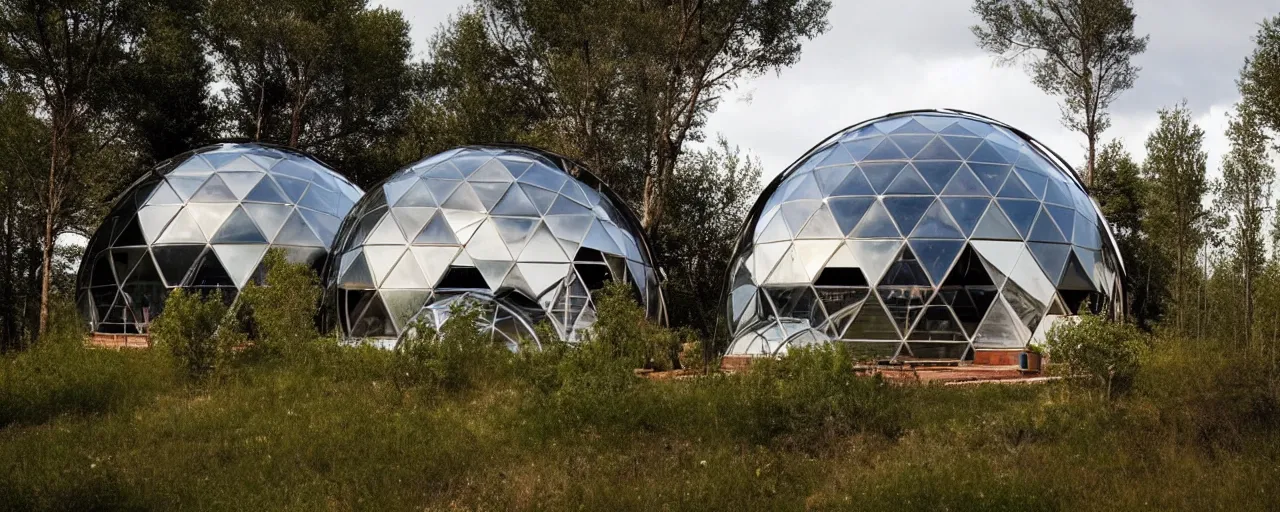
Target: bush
[
  {"x": 283, "y": 309},
  {"x": 456, "y": 357},
  {"x": 622, "y": 334},
  {"x": 198, "y": 332},
  {"x": 1106, "y": 352}
]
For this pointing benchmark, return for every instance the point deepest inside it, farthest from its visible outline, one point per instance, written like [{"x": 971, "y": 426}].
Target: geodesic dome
[
  {"x": 528, "y": 231},
  {"x": 928, "y": 234},
  {"x": 203, "y": 220}
]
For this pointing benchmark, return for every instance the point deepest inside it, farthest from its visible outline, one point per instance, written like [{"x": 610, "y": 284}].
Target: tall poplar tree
[
  {"x": 1176, "y": 214},
  {"x": 1247, "y": 175},
  {"x": 1080, "y": 50},
  {"x": 1259, "y": 81}
]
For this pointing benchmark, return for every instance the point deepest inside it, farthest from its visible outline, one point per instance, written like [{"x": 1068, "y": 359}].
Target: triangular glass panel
[
  {"x": 164, "y": 194},
  {"x": 268, "y": 217},
  {"x": 912, "y": 126},
  {"x": 1000, "y": 330},
  {"x": 876, "y": 223},
  {"x": 937, "y": 150},
  {"x": 992, "y": 176},
  {"x": 909, "y": 182},
  {"x": 241, "y": 183},
  {"x": 1086, "y": 234},
  {"x": 214, "y": 191},
  {"x": 987, "y": 153},
  {"x": 937, "y": 324},
  {"x": 240, "y": 260},
  {"x": 813, "y": 254},
  {"x": 965, "y": 183},
  {"x": 266, "y": 191},
  {"x": 1075, "y": 276},
  {"x": 566, "y": 206},
  {"x": 1028, "y": 310},
  {"x": 905, "y": 271},
  {"x": 131, "y": 234},
  {"x": 995, "y": 225},
  {"x": 1035, "y": 182},
  {"x": 1052, "y": 257},
  {"x": 418, "y": 195},
  {"x": 124, "y": 260},
  {"x": 937, "y": 255},
  {"x": 239, "y": 229},
  {"x": 790, "y": 270},
  {"x": 357, "y": 276},
  {"x": 543, "y": 246},
  {"x": 489, "y": 193},
  {"x": 1045, "y": 230},
  {"x": 964, "y": 146},
  {"x": 183, "y": 229},
  {"x": 436, "y": 231},
  {"x": 153, "y": 219},
  {"x": 937, "y": 223},
  {"x": 463, "y": 222},
  {"x": 797, "y": 213},
  {"x": 494, "y": 272},
  {"x": 886, "y": 150},
  {"x": 175, "y": 261},
  {"x": 905, "y": 303},
  {"x": 854, "y": 184},
  {"x": 848, "y": 211},
  {"x": 515, "y": 202},
  {"x": 956, "y": 128},
  {"x": 542, "y": 176},
  {"x": 542, "y": 276},
  {"x": 935, "y": 123},
  {"x": 873, "y": 256},
  {"x": 860, "y": 148},
  {"x": 574, "y": 227},
  {"x": 911, "y": 144},
  {"x": 1021, "y": 213},
  {"x": 406, "y": 275},
  {"x": 185, "y": 186},
  {"x": 806, "y": 187},
  {"x": 881, "y": 174},
  {"x": 411, "y": 220},
  {"x": 441, "y": 190},
  {"x": 463, "y": 198},
  {"x": 1064, "y": 217},
  {"x": 515, "y": 231},
  {"x": 836, "y": 155},
  {"x": 907, "y": 211},
  {"x": 1056, "y": 193},
  {"x": 491, "y": 171},
  {"x": 966, "y": 211},
  {"x": 433, "y": 261},
  {"x": 296, "y": 232},
  {"x": 1014, "y": 188},
  {"x": 829, "y": 178},
  {"x": 821, "y": 225},
  {"x": 937, "y": 173},
  {"x": 403, "y": 304},
  {"x": 796, "y": 302},
  {"x": 969, "y": 290},
  {"x": 871, "y": 323},
  {"x": 210, "y": 273},
  {"x": 842, "y": 301},
  {"x": 293, "y": 188}
]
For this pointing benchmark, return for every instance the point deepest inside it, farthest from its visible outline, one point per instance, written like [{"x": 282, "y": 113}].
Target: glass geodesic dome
[
  {"x": 203, "y": 220},
  {"x": 528, "y": 233},
  {"x": 927, "y": 234}
]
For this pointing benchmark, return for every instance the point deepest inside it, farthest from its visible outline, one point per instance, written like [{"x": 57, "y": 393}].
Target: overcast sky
[{"x": 881, "y": 57}]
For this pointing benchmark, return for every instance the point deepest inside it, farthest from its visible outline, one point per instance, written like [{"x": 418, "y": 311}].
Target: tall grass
[{"x": 479, "y": 427}]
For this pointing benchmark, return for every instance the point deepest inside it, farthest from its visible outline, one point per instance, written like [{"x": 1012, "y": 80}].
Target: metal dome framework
[
  {"x": 203, "y": 220},
  {"x": 927, "y": 233},
  {"x": 528, "y": 230}
]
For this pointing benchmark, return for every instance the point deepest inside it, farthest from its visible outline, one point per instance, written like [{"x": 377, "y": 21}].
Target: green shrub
[
  {"x": 622, "y": 334},
  {"x": 198, "y": 332},
  {"x": 1108, "y": 353},
  {"x": 808, "y": 397},
  {"x": 283, "y": 309},
  {"x": 456, "y": 357}
]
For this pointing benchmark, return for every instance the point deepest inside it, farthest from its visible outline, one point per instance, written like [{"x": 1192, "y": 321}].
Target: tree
[
  {"x": 63, "y": 53},
  {"x": 629, "y": 82},
  {"x": 330, "y": 77},
  {"x": 1246, "y": 195},
  {"x": 711, "y": 193},
  {"x": 165, "y": 87},
  {"x": 1175, "y": 173},
  {"x": 1259, "y": 80},
  {"x": 1081, "y": 50},
  {"x": 1121, "y": 192}
]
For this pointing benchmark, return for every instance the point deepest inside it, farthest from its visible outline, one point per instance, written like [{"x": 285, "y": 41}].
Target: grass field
[{"x": 342, "y": 429}]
